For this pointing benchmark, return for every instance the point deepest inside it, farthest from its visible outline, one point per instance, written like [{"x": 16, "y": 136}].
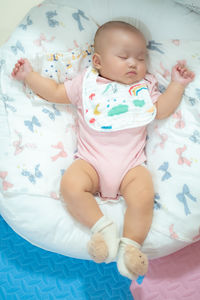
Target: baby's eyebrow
[
  {"x": 123, "y": 53},
  {"x": 123, "y": 50},
  {"x": 135, "y": 52},
  {"x": 142, "y": 52}
]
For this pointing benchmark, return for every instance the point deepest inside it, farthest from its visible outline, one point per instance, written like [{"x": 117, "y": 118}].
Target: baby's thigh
[
  {"x": 80, "y": 176},
  {"x": 137, "y": 181}
]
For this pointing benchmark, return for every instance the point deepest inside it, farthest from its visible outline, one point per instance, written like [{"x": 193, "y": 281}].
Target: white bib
[{"x": 114, "y": 106}]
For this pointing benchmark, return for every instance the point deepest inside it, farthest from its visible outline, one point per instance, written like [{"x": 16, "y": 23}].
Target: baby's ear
[{"x": 96, "y": 59}]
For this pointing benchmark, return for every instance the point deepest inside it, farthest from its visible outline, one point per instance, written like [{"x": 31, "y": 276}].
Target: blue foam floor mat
[{"x": 30, "y": 273}]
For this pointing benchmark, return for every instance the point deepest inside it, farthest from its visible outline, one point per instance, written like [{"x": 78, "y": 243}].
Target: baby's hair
[{"x": 110, "y": 26}]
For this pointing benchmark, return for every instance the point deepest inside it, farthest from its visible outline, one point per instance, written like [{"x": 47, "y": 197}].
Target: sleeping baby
[{"x": 116, "y": 99}]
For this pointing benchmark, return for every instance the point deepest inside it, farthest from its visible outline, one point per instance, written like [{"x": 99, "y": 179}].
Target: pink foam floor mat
[{"x": 174, "y": 277}]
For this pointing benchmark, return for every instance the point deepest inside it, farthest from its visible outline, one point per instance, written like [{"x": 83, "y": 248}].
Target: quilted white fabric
[
  {"x": 174, "y": 144},
  {"x": 193, "y": 5},
  {"x": 38, "y": 139},
  {"x": 158, "y": 19}
]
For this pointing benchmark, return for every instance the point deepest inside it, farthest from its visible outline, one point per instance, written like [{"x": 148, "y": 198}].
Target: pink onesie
[{"x": 112, "y": 154}]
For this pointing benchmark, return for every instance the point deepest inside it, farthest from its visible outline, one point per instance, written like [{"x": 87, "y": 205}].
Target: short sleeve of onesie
[{"x": 73, "y": 89}]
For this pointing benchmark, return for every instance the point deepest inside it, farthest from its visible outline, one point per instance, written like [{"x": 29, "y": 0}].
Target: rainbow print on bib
[{"x": 135, "y": 89}]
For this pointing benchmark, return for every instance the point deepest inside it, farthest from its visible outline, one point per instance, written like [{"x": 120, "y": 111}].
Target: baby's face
[{"x": 123, "y": 57}]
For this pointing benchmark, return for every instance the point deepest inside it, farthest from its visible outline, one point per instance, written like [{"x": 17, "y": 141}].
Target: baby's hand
[
  {"x": 22, "y": 69},
  {"x": 181, "y": 74}
]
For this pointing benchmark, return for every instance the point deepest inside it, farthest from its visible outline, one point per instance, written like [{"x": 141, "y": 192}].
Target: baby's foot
[
  {"x": 135, "y": 260},
  {"x": 131, "y": 261},
  {"x": 97, "y": 248},
  {"x": 104, "y": 242}
]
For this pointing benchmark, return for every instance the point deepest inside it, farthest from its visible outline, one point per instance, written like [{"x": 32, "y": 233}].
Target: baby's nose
[{"x": 131, "y": 61}]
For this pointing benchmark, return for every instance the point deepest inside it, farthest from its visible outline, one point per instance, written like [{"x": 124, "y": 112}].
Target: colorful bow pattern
[
  {"x": 154, "y": 46},
  {"x": 52, "y": 115},
  {"x": 39, "y": 42},
  {"x": 182, "y": 197},
  {"x": 16, "y": 47},
  {"x": 33, "y": 176},
  {"x": 163, "y": 137},
  {"x": 50, "y": 15},
  {"x": 5, "y": 184},
  {"x": 28, "y": 23},
  {"x": 180, "y": 123},
  {"x": 157, "y": 205},
  {"x": 7, "y": 101},
  {"x": 31, "y": 124},
  {"x": 77, "y": 16},
  {"x": 62, "y": 153},
  {"x": 195, "y": 137},
  {"x": 164, "y": 167},
  {"x": 182, "y": 160},
  {"x": 18, "y": 144}
]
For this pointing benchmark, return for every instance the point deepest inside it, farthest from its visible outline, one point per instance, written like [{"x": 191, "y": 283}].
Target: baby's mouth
[{"x": 131, "y": 73}]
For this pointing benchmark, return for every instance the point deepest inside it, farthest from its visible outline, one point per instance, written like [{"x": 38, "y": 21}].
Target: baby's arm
[
  {"x": 170, "y": 99},
  {"x": 46, "y": 88}
]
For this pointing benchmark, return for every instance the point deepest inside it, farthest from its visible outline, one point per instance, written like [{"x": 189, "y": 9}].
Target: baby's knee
[
  {"x": 147, "y": 197},
  {"x": 144, "y": 199},
  {"x": 70, "y": 188},
  {"x": 147, "y": 192}
]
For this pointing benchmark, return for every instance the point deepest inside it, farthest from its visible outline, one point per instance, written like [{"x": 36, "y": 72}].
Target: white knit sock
[
  {"x": 104, "y": 242},
  {"x": 131, "y": 261}
]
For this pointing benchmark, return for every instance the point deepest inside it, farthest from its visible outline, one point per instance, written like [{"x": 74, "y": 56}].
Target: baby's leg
[
  {"x": 79, "y": 183},
  {"x": 137, "y": 190}
]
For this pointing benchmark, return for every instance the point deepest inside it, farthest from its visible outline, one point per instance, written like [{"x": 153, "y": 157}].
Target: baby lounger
[{"x": 38, "y": 139}]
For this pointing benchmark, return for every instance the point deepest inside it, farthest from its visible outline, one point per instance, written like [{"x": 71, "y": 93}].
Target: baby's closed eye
[{"x": 123, "y": 56}]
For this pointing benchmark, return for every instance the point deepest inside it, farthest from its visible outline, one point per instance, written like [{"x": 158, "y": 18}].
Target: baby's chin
[{"x": 129, "y": 80}]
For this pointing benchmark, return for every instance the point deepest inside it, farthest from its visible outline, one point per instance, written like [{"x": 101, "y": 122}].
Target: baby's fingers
[
  {"x": 191, "y": 74},
  {"x": 184, "y": 72},
  {"x": 187, "y": 73},
  {"x": 181, "y": 69},
  {"x": 21, "y": 61},
  {"x": 16, "y": 69},
  {"x": 14, "y": 73}
]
